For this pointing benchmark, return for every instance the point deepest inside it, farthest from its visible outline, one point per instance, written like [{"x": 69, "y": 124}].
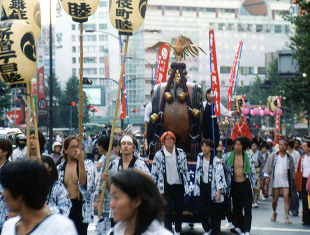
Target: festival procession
[{"x": 136, "y": 117}]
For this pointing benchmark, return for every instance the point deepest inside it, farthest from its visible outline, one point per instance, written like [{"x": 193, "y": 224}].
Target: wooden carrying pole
[
  {"x": 81, "y": 94},
  {"x": 113, "y": 126},
  {"x": 34, "y": 118},
  {"x": 28, "y": 119}
]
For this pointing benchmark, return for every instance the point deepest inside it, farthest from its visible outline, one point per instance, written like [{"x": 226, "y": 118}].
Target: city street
[{"x": 261, "y": 224}]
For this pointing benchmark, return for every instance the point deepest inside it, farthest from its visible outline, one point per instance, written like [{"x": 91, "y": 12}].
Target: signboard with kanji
[
  {"x": 127, "y": 15},
  {"x": 27, "y": 10},
  {"x": 17, "y": 52},
  {"x": 80, "y": 10},
  {"x": 162, "y": 64}
]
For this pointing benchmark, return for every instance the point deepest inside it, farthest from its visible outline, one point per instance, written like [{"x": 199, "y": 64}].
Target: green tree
[
  {"x": 5, "y": 98},
  {"x": 300, "y": 45},
  {"x": 71, "y": 94}
]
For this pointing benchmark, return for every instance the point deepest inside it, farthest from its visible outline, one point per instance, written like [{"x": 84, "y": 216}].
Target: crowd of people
[{"x": 148, "y": 196}]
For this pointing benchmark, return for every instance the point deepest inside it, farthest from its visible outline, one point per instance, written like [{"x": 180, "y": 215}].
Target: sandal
[
  {"x": 287, "y": 221},
  {"x": 273, "y": 217}
]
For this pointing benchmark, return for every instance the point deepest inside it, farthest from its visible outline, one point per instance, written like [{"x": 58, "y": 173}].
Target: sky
[{"x": 45, "y": 10}]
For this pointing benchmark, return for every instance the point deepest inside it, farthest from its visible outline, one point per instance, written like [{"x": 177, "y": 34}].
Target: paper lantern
[
  {"x": 245, "y": 111},
  {"x": 27, "y": 10},
  {"x": 267, "y": 111},
  {"x": 261, "y": 112},
  {"x": 279, "y": 112},
  {"x": 18, "y": 53},
  {"x": 256, "y": 111},
  {"x": 252, "y": 112},
  {"x": 271, "y": 114},
  {"x": 127, "y": 15},
  {"x": 80, "y": 10}
]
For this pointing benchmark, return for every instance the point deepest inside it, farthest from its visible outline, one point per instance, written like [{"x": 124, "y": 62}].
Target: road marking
[{"x": 281, "y": 229}]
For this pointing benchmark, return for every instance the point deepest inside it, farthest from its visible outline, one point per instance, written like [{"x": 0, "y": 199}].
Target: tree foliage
[{"x": 5, "y": 98}]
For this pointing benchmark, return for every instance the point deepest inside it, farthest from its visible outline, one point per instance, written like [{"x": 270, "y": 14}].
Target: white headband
[{"x": 127, "y": 138}]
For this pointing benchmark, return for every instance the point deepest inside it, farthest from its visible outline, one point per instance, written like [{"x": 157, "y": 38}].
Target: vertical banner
[
  {"x": 214, "y": 76},
  {"x": 277, "y": 125},
  {"x": 233, "y": 75},
  {"x": 162, "y": 64},
  {"x": 40, "y": 83},
  {"x": 124, "y": 108}
]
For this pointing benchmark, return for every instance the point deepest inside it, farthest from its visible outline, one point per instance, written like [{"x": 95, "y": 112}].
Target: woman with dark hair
[
  {"x": 58, "y": 199},
  {"x": 210, "y": 186},
  {"x": 136, "y": 203}
]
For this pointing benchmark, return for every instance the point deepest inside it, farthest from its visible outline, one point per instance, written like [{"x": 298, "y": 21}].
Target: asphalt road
[{"x": 261, "y": 224}]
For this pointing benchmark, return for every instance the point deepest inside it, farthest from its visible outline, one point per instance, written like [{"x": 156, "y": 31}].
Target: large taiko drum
[{"x": 178, "y": 107}]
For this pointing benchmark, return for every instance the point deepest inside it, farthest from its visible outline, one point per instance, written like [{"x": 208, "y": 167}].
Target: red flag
[
  {"x": 123, "y": 110},
  {"x": 277, "y": 125},
  {"x": 162, "y": 64},
  {"x": 214, "y": 76},
  {"x": 233, "y": 76}
]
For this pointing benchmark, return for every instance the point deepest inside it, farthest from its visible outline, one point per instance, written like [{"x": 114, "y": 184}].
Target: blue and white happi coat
[
  {"x": 4, "y": 208},
  {"x": 87, "y": 191},
  {"x": 139, "y": 164},
  {"x": 159, "y": 170},
  {"x": 230, "y": 173},
  {"x": 216, "y": 177},
  {"x": 58, "y": 199}
]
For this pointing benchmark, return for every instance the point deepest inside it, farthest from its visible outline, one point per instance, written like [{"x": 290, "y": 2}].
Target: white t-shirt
[
  {"x": 147, "y": 112},
  {"x": 306, "y": 167},
  {"x": 205, "y": 171},
  {"x": 171, "y": 168},
  {"x": 53, "y": 225},
  {"x": 281, "y": 173},
  {"x": 155, "y": 228},
  {"x": 17, "y": 153}
]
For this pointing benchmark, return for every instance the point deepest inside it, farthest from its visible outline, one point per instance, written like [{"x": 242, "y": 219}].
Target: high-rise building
[{"x": 259, "y": 23}]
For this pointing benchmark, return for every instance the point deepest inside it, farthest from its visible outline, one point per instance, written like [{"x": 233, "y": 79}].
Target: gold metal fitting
[
  {"x": 168, "y": 97},
  {"x": 196, "y": 113},
  {"x": 182, "y": 97},
  {"x": 154, "y": 118}
]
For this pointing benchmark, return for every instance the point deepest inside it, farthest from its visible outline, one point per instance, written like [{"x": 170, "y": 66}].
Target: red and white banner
[
  {"x": 106, "y": 67},
  {"x": 233, "y": 76},
  {"x": 214, "y": 76},
  {"x": 162, "y": 64},
  {"x": 277, "y": 125},
  {"x": 11, "y": 116},
  {"x": 124, "y": 110},
  {"x": 40, "y": 83}
]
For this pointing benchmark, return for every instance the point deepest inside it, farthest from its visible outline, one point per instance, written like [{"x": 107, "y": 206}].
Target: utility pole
[{"x": 50, "y": 111}]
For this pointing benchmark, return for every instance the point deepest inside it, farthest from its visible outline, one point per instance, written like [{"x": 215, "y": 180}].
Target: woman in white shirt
[{"x": 137, "y": 205}]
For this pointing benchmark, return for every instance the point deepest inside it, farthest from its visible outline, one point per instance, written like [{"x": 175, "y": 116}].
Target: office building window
[
  {"x": 73, "y": 60},
  {"x": 73, "y": 38},
  {"x": 90, "y": 26},
  {"x": 261, "y": 70},
  {"x": 103, "y": 37},
  {"x": 102, "y": 4},
  {"x": 225, "y": 69},
  {"x": 89, "y": 60},
  {"x": 222, "y": 83},
  {"x": 102, "y": 15},
  {"x": 102, "y": 71},
  {"x": 90, "y": 71},
  {"x": 247, "y": 70},
  {"x": 259, "y": 28},
  {"x": 73, "y": 26},
  {"x": 240, "y": 28},
  {"x": 103, "y": 26},
  {"x": 277, "y": 29},
  {"x": 287, "y": 29},
  {"x": 73, "y": 72},
  {"x": 73, "y": 49},
  {"x": 101, "y": 60},
  {"x": 221, "y": 27},
  {"x": 231, "y": 27},
  {"x": 102, "y": 49}
]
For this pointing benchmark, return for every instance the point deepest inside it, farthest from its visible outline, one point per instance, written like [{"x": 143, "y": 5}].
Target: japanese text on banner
[
  {"x": 233, "y": 76},
  {"x": 214, "y": 76},
  {"x": 162, "y": 64}
]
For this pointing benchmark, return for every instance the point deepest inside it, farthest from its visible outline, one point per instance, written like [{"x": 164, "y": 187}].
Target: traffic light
[{"x": 87, "y": 81}]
